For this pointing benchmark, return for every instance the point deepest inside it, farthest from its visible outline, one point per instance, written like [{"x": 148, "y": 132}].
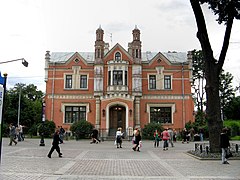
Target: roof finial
[
  {"x": 136, "y": 27},
  {"x": 100, "y": 26}
]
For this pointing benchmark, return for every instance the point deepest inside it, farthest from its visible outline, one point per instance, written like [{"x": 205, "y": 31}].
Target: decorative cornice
[
  {"x": 174, "y": 97},
  {"x": 67, "y": 96}
]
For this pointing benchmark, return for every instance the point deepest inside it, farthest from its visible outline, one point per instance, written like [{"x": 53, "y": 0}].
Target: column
[
  {"x": 97, "y": 123},
  {"x": 137, "y": 111}
]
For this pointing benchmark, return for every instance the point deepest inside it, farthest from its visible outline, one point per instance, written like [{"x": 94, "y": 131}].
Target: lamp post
[
  {"x": 24, "y": 62},
  {"x": 43, "y": 122},
  {"x": 3, "y": 82}
]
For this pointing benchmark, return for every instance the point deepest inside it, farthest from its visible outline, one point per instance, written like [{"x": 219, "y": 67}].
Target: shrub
[
  {"x": 233, "y": 126},
  {"x": 47, "y": 128},
  {"x": 32, "y": 131},
  {"x": 81, "y": 129},
  {"x": 148, "y": 130}
]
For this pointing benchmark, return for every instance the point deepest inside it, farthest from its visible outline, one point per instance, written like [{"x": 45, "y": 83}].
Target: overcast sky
[{"x": 30, "y": 27}]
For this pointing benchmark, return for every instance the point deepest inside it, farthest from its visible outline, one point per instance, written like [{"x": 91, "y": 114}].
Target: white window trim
[
  {"x": 63, "y": 105},
  {"x": 171, "y": 105}
]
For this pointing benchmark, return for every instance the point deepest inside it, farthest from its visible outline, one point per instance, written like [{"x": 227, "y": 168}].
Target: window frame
[
  {"x": 152, "y": 82},
  {"x": 161, "y": 115},
  {"x": 117, "y": 77},
  {"x": 167, "y": 83},
  {"x": 68, "y": 81},
  {"x": 74, "y": 111},
  {"x": 83, "y": 81},
  {"x": 118, "y": 56}
]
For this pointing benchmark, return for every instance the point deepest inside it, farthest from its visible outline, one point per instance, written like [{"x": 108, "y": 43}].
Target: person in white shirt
[{"x": 119, "y": 135}]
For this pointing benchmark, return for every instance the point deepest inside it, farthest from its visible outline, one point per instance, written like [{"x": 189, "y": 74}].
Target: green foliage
[
  {"x": 235, "y": 138},
  {"x": 30, "y": 105},
  {"x": 226, "y": 90},
  {"x": 5, "y": 130},
  {"x": 47, "y": 128},
  {"x": 148, "y": 130},
  {"x": 198, "y": 79},
  {"x": 32, "y": 131},
  {"x": 233, "y": 126},
  {"x": 232, "y": 110},
  {"x": 81, "y": 129},
  {"x": 224, "y": 9}
]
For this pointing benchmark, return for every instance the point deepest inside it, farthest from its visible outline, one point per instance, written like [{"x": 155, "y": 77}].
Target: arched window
[{"x": 117, "y": 56}]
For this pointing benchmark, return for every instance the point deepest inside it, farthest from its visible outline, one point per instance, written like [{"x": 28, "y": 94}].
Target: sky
[{"x": 31, "y": 27}]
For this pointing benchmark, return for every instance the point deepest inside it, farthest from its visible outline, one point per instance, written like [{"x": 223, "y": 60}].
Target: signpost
[{"x": 3, "y": 81}]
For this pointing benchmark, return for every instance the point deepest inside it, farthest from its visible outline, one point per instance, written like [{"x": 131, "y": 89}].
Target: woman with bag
[
  {"x": 224, "y": 144},
  {"x": 119, "y": 136},
  {"x": 137, "y": 142}
]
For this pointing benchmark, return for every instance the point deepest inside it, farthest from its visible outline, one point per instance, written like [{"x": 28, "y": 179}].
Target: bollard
[
  {"x": 236, "y": 148},
  {"x": 196, "y": 145},
  {"x": 201, "y": 148},
  {"x": 207, "y": 149}
]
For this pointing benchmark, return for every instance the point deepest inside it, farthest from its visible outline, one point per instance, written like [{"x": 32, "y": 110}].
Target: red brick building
[{"x": 117, "y": 87}]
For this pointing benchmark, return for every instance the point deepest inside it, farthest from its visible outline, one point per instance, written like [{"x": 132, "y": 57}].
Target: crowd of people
[{"x": 168, "y": 137}]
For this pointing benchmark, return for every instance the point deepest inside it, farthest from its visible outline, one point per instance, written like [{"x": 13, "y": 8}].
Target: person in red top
[{"x": 165, "y": 137}]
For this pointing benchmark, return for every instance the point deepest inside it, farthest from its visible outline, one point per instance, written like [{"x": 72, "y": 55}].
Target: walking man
[
  {"x": 55, "y": 144},
  {"x": 12, "y": 134}
]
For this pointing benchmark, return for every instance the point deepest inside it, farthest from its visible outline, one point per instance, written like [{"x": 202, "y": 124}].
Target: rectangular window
[
  {"x": 152, "y": 82},
  {"x": 68, "y": 81},
  {"x": 117, "y": 77},
  {"x": 109, "y": 78},
  {"x": 160, "y": 115},
  {"x": 126, "y": 78},
  {"x": 167, "y": 82},
  {"x": 75, "y": 113},
  {"x": 83, "y": 81}
]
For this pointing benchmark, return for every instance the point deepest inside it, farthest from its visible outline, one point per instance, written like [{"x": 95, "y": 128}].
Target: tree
[
  {"x": 232, "y": 110},
  {"x": 198, "y": 79},
  {"x": 226, "y": 10},
  {"x": 30, "y": 105},
  {"x": 226, "y": 91}
]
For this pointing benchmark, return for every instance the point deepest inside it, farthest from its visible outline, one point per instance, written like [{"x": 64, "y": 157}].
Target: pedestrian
[
  {"x": 184, "y": 135},
  {"x": 94, "y": 136},
  {"x": 201, "y": 134},
  {"x": 174, "y": 135},
  {"x": 118, "y": 137},
  {"x": 170, "y": 132},
  {"x": 224, "y": 144},
  {"x": 61, "y": 133},
  {"x": 137, "y": 141},
  {"x": 55, "y": 144},
  {"x": 165, "y": 138},
  {"x": 12, "y": 134},
  {"x": 191, "y": 132},
  {"x": 157, "y": 137},
  {"x": 21, "y": 136}
]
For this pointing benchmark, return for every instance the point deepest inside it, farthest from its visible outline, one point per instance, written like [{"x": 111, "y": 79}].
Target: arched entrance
[{"x": 117, "y": 118}]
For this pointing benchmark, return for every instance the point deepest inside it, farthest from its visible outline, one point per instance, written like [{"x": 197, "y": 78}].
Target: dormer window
[{"x": 117, "y": 56}]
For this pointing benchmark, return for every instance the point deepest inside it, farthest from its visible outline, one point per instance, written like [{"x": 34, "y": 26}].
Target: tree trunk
[{"x": 213, "y": 109}]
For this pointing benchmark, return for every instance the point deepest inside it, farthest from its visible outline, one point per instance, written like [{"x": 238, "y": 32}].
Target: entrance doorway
[{"x": 117, "y": 118}]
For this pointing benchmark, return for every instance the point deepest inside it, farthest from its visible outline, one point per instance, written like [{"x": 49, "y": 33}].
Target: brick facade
[{"x": 118, "y": 88}]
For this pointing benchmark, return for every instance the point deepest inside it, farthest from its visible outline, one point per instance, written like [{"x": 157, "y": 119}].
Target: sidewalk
[{"x": 82, "y": 160}]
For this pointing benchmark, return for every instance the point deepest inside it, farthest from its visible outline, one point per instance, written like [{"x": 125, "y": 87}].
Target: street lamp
[
  {"x": 24, "y": 62},
  {"x": 43, "y": 124}
]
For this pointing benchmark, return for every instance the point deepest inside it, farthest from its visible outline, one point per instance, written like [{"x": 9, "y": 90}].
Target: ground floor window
[
  {"x": 161, "y": 114},
  {"x": 75, "y": 113}
]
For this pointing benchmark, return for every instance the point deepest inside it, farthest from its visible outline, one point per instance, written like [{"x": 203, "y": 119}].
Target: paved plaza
[{"x": 82, "y": 160}]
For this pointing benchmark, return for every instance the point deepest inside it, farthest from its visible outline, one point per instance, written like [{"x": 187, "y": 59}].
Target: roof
[{"x": 174, "y": 57}]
